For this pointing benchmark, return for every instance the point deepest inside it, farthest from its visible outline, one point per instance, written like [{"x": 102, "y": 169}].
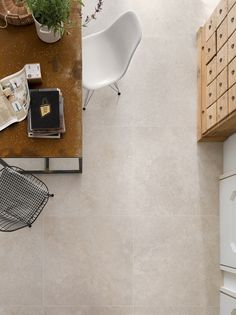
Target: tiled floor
[{"x": 137, "y": 233}]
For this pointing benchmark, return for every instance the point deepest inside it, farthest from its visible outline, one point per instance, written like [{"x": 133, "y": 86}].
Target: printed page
[
  {"x": 16, "y": 90},
  {"x": 7, "y": 114}
]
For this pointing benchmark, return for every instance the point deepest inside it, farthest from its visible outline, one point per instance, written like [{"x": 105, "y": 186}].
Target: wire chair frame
[{"x": 22, "y": 198}]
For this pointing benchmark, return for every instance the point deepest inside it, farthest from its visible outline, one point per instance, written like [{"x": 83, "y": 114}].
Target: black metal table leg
[
  {"x": 3, "y": 163},
  {"x": 47, "y": 169}
]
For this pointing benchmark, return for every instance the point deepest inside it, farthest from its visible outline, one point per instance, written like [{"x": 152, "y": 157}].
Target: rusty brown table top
[{"x": 61, "y": 67}]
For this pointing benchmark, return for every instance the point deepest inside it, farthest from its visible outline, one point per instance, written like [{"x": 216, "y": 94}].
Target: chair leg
[
  {"x": 89, "y": 94},
  {"x": 115, "y": 88}
]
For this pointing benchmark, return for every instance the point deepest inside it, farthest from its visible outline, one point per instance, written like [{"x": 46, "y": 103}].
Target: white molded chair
[{"x": 107, "y": 54}]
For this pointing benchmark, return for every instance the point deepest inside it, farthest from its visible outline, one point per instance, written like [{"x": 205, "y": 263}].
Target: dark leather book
[{"x": 44, "y": 109}]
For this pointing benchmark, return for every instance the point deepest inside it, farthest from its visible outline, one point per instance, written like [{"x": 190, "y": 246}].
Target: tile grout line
[
  {"x": 132, "y": 301},
  {"x": 133, "y": 215},
  {"x": 43, "y": 266}
]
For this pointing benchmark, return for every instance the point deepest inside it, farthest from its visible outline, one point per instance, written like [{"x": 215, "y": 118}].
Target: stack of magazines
[{"x": 46, "y": 114}]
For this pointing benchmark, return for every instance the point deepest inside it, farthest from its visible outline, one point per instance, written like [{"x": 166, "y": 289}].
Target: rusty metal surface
[{"x": 61, "y": 67}]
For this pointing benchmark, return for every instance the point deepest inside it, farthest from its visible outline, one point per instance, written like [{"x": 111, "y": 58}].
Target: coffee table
[{"x": 61, "y": 67}]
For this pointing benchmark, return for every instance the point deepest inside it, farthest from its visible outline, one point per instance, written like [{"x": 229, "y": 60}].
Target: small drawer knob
[
  {"x": 220, "y": 84},
  {"x": 209, "y": 27},
  {"x": 220, "y": 11},
  {"x": 210, "y": 94},
  {"x": 233, "y": 98},
  {"x": 203, "y": 111},
  {"x": 232, "y": 20},
  {"x": 221, "y": 35},
  {"x": 232, "y": 46},
  {"x": 221, "y": 59},
  {"x": 221, "y": 107},
  {"x": 210, "y": 116},
  {"x": 232, "y": 72},
  {"x": 210, "y": 71},
  {"x": 209, "y": 49}
]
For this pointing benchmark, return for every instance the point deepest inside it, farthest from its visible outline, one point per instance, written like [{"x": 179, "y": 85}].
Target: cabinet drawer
[
  {"x": 222, "y": 107},
  {"x": 211, "y": 116},
  {"x": 222, "y": 59},
  {"x": 232, "y": 47},
  {"x": 231, "y": 3},
  {"x": 211, "y": 71},
  {"x": 211, "y": 48},
  {"x": 222, "y": 83},
  {"x": 232, "y": 20},
  {"x": 222, "y": 34},
  {"x": 210, "y": 26},
  {"x": 221, "y": 11},
  {"x": 203, "y": 121},
  {"x": 211, "y": 93},
  {"x": 232, "y": 98},
  {"x": 232, "y": 72}
]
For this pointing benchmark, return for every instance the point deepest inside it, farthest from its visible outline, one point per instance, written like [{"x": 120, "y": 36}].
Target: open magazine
[{"x": 14, "y": 98}]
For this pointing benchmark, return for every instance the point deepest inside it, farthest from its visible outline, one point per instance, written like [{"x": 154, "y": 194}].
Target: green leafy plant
[
  {"x": 52, "y": 13},
  {"x": 55, "y": 13}
]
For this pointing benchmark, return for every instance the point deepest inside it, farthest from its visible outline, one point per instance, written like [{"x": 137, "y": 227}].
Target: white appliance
[
  {"x": 227, "y": 305},
  {"x": 228, "y": 221},
  {"x": 228, "y": 229}
]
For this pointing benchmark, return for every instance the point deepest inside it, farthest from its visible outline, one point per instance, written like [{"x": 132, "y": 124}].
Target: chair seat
[
  {"x": 22, "y": 198},
  {"x": 101, "y": 62}
]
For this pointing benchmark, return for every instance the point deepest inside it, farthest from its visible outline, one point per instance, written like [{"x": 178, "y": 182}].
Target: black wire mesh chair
[{"x": 22, "y": 198}]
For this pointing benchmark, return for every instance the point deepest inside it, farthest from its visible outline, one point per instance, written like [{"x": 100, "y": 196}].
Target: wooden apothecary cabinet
[{"x": 217, "y": 74}]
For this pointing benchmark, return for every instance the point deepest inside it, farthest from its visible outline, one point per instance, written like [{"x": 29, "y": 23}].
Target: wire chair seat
[{"x": 22, "y": 198}]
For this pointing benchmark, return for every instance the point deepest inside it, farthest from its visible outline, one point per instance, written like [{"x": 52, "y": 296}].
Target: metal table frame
[{"x": 47, "y": 170}]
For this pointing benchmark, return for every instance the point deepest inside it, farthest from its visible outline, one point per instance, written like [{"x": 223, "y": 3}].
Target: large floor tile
[
  {"x": 21, "y": 266},
  {"x": 173, "y": 175},
  {"x": 176, "y": 261},
  {"x": 88, "y": 261},
  {"x": 165, "y": 18},
  {"x": 86, "y": 310},
  {"x": 106, "y": 185}
]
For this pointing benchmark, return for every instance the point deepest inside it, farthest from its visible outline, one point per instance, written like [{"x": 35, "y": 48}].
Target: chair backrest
[{"x": 125, "y": 35}]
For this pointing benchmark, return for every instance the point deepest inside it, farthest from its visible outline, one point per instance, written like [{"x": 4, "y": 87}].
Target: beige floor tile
[
  {"x": 21, "y": 310},
  {"x": 106, "y": 185},
  {"x": 165, "y": 19},
  {"x": 86, "y": 310},
  {"x": 176, "y": 261},
  {"x": 88, "y": 260},
  {"x": 174, "y": 175},
  {"x": 175, "y": 311},
  {"x": 21, "y": 266}
]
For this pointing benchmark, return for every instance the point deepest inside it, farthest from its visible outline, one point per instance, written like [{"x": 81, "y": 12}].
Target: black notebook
[{"x": 44, "y": 107}]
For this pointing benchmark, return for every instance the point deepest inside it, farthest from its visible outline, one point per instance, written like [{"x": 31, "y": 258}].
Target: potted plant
[{"x": 50, "y": 17}]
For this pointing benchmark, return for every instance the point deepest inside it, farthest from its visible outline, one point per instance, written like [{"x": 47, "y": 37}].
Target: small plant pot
[{"x": 45, "y": 34}]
